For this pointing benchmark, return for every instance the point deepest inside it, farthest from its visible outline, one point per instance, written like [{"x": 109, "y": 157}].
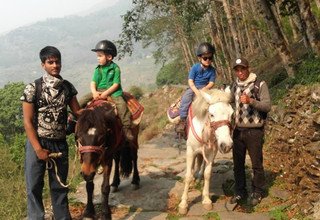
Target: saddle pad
[
  {"x": 174, "y": 109},
  {"x": 133, "y": 105}
]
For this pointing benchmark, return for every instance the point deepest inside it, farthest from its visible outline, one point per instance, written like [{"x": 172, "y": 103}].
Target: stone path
[{"x": 162, "y": 165}]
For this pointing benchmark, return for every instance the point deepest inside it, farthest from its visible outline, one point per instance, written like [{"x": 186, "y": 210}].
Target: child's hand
[{"x": 96, "y": 95}]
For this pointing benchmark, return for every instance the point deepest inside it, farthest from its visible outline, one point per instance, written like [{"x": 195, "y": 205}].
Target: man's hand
[
  {"x": 42, "y": 154},
  {"x": 245, "y": 99}
]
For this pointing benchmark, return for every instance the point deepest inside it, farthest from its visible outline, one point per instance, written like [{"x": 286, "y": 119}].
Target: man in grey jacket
[{"x": 250, "y": 109}]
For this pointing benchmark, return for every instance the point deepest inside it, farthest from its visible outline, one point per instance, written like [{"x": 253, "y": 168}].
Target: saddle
[
  {"x": 135, "y": 108},
  {"x": 173, "y": 112}
]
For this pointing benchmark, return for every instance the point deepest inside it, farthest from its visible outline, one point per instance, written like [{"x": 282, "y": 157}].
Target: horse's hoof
[
  {"x": 135, "y": 186},
  {"x": 88, "y": 214},
  {"x": 183, "y": 211},
  {"x": 207, "y": 206},
  {"x": 114, "y": 189}
]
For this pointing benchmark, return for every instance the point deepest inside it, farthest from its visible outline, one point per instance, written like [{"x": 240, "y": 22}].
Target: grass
[
  {"x": 12, "y": 182},
  {"x": 12, "y": 188},
  {"x": 279, "y": 213},
  {"x": 211, "y": 216}
]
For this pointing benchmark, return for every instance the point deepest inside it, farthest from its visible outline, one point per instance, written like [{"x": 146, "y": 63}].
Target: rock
[
  {"x": 315, "y": 136},
  {"x": 316, "y": 118},
  {"x": 316, "y": 210}
]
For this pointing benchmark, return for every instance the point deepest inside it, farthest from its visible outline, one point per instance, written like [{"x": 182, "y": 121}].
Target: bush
[
  {"x": 278, "y": 78},
  {"x": 17, "y": 149},
  {"x": 172, "y": 73},
  {"x": 308, "y": 73},
  {"x": 11, "y": 110},
  {"x": 136, "y": 92}
]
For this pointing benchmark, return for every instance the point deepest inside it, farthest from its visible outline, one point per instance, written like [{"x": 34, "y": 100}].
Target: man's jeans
[{"x": 34, "y": 174}]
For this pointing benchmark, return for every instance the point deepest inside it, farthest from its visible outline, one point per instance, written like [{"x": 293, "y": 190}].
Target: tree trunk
[
  {"x": 312, "y": 29},
  {"x": 301, "y": 25},
  {"x": 232, "y": 28},
  {"x": 278, "y": 40},
  {"x": 295, "y": 29},
  {"x": 182, "y": 40},
  {"x": 249, "y": 40}
]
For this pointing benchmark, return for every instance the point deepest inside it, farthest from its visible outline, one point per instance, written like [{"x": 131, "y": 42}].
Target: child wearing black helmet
[
  {"x": 106, "y": 82},
  {"x": 201, "y": 77}
]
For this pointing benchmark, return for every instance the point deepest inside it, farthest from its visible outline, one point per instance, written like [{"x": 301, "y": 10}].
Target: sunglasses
[{"x": 207, "y": 58}]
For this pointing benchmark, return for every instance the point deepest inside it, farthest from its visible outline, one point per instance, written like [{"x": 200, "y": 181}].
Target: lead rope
[{"x": 51, "y": 163}]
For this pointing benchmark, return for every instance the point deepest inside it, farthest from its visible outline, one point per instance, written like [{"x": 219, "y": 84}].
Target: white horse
[{"x": 209, "y": 131}]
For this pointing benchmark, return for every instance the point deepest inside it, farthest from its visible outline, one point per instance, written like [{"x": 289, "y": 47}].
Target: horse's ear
[{"x": 206, "y": 96}]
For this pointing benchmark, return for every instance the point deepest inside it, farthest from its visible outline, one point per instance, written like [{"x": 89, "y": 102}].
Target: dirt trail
[{"x": 161, "y": 166}]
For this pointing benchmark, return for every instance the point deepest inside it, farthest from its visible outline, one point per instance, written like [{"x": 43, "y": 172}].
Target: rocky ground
[
  {"x": 162, "y": 165},
  {"x": 293, "y": 149},
  {"x": 291, "y": 158}
]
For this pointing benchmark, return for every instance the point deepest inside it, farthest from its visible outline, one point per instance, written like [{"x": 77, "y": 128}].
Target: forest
[
  {"x": 281, "y": 39},
  {"x": 256, "y": 29}
]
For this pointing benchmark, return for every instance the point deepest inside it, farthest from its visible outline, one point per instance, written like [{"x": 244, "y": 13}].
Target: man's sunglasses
[{"x": 207, "y": 58}]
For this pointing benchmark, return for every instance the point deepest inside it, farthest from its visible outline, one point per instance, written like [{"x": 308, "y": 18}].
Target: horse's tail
[{"x": 126, "y": 161}]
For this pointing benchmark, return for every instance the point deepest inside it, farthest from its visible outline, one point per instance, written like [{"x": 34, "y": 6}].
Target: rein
[
  {"x": 51, "y": 163},
  {"x": 212, "y": 126}
]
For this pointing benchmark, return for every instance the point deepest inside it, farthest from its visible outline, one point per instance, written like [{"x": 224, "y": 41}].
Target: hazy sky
[{"x": 17, "y": 13}]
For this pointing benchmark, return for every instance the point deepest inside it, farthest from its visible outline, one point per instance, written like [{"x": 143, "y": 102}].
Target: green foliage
[
  {"x": 308, "y": 73},
  {"x": 136, "y": 92},
  {"x": 278, "y": 78},
  {"x": 172, "y": 217},
  {"x": 279, "y": 213},
  {"x": 11, "y": 110},
  {"x": 151, "y": 22},
  {"x": 212, "y": 216},
  {"x": 17, "y": 149},
  {"x": 172, "y": 73},
  {"x": 12, "y": 188}
]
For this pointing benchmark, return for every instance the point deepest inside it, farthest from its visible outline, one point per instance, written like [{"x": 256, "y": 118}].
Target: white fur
[
  {"x": 218, "y": 108},
  {"x": 92, "y": 131}
]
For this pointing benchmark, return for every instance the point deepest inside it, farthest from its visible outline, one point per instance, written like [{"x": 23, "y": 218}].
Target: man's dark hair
[{"x": 49, "y": 52}]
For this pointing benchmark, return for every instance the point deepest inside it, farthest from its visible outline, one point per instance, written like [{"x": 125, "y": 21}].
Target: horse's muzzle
[
  {"x": 88, "y": 178},
  {"x": 225, "y": 148}
]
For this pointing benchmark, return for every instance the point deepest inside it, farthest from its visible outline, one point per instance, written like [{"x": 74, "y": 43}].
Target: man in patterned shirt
[
  {"x": 250, "y": 111},
  {"x": 45, "y": 119}
]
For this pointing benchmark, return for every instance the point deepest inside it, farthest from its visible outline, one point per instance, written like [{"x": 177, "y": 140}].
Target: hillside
[{"x": 75, "y": 36}]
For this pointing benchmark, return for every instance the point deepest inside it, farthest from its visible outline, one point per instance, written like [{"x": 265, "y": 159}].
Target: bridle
[
  {"x": 214, "y": 125},
  {"x": 91, "y": 149}
]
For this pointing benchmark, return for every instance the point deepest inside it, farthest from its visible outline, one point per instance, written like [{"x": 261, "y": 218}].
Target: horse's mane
[
  {"x": 100, "y": 117},
  {"x": 200, "y": 105}
]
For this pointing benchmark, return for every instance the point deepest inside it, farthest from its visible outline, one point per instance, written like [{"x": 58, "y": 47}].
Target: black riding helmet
[
  {"x": 107, "y": 47},
  {"x": 204, "y": 48}
]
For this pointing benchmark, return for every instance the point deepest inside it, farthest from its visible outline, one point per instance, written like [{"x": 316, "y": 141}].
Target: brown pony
[{"x": 100, "y": 139}]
